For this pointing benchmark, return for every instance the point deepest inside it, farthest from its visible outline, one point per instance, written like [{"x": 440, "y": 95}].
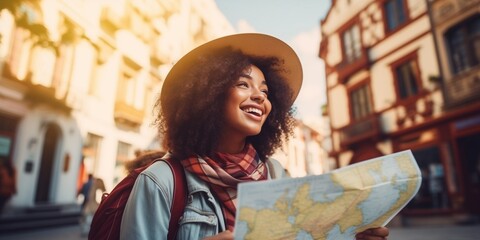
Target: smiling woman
[
  {"x": 192, "y": 104},
  {"x": 223, "y": 109}
]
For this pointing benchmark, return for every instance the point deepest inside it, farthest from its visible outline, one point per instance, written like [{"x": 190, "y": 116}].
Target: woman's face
[{"x": 247, "y": 106}]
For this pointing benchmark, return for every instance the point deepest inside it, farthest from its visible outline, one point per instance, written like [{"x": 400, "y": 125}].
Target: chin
[
  {"x": 254, "y": 132},
  {"x": 250, "y": 129}
]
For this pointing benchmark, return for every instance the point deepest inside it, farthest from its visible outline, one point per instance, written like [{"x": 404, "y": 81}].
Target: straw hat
[{"x": 254, "y": 44}]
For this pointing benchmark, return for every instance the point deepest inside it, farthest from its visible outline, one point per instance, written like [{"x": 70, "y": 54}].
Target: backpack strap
[{"x": 179, "y": 200}]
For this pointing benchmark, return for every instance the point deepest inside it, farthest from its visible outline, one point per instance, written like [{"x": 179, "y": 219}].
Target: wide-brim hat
[{"x": 254, "y": 44}]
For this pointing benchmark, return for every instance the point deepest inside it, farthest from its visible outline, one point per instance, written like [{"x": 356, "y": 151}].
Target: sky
[{"x": 297, "y": 22}]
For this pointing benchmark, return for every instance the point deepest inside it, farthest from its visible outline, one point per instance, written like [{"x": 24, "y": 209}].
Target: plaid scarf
[{"x": 225, "y": 173}]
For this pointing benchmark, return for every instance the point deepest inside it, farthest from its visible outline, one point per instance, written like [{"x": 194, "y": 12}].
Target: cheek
[
  {"x": 268, "y": 108},
  {"x": 231, "y": 102}
]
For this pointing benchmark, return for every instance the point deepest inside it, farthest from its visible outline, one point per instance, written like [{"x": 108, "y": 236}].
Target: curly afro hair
[{"x": 188, "y": 118}]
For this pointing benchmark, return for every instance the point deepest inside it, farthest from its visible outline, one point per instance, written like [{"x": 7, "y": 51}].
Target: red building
[{"x": 406, "y": 75}]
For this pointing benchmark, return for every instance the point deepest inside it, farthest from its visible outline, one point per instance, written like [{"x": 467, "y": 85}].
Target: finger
[
  {"x": 373, "y": 234},
  {"x": 227, "y": 235},
  {"x": 362, "y": 236},
  {"x": 380, "y": 231}
]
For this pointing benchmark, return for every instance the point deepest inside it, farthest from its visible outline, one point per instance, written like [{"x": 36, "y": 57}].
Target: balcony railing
[
  {"x": 463, "y": 88},
  {"x": 367, "y": 128},
  {"x": 128, "y": 114},
  {"x": 347, "y": 68},
  {"x": 41, "y": 94}
]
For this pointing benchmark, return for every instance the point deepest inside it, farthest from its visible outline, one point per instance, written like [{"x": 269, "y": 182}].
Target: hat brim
[{"x": 255, "y": 44}]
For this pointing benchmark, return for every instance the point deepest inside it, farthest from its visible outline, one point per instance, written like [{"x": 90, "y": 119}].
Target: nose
[{"x": 258, "y": 96}]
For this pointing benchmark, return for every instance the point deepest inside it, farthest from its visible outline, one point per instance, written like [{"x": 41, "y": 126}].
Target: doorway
[
  {"x": 469, "y": 153},
  {"x": 47, "y": 165}
]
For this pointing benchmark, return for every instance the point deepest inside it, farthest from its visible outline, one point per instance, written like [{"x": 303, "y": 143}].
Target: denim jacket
[{"x": 147, "y": 213}]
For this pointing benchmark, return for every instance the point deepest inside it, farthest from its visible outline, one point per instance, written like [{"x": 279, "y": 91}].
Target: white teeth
[{"x": 253, "y": 110}]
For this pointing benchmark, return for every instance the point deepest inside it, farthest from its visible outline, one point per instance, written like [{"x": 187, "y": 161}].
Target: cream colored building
[
  {"x": 304, "y": 153},
  {"x": 403, "y": 74},
  {"x": 85, "y": 104}
]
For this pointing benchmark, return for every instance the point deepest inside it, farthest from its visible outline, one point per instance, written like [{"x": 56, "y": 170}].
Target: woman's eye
[
  {"x": 242, "y": 84},
  {"x": 265, "y": 92}
]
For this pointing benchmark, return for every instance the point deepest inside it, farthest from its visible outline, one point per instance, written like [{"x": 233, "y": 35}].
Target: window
[
  {"x": 407, "y": 76},
  {"x": 20, "y": 53},
  {"x": 127, "y": 85},
  {"x": 433, "y": 191},
  {"x": 66, "y": 60},
  {"x": 63, "y": 69},
  {"x": 7, "y": 137},
  {"x": 25, "y": 37},
  {"x": 351, "y": 44},
  {"x": 395, "y": 14},
  {"x": 360, "y": 102},
  {"x": 91, "y": 152},
  {"x": 123, "y": 155},
  {"x": 464, "y": 45}
]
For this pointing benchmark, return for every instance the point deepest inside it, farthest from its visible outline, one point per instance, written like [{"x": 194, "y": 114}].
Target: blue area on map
[
  {"x": 241, "y": 229},
  {"x": 336, "y": 234},
  {"x": 302, "y": 235},
  {"x": 383, "y": 196},
  {"x": 291, "y": 219}
]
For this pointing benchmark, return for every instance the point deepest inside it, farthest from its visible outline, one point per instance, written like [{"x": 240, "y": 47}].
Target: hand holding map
[{"x": 331, "y": 206}]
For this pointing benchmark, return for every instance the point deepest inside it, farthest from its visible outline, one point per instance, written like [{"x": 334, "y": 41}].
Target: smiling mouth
[{"x": 254, "y": 111}]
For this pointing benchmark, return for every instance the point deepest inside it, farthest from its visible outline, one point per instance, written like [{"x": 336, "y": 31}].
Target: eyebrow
[
  {"x": 245, "y": 76},
  {"x": 264, "y": 82}
]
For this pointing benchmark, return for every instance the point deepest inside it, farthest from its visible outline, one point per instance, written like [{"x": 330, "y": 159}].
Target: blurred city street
[
  {"x": 450, "y": 232},
  {"x": 80, "y": 87}
]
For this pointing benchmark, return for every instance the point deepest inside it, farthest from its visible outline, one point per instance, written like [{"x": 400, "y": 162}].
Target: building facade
[
  {"x": 79, "y": 99},
  {"x": 456, "y": 28},
  {"x": 305, "y": 153},
  {"x": 396, "y": 81}
]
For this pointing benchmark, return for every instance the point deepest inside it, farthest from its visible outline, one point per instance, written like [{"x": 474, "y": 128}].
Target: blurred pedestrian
[
  {"x": 8, "y": 185},
  {"x": 90, "y": 204},
  {"x": 85, "y": 190}
]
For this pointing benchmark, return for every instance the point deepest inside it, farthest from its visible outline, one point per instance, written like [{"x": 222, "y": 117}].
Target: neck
[{"x": 231, "y": 145}]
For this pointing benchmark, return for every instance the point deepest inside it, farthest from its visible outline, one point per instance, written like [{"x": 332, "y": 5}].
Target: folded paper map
[{"x": 332, "y": 206}]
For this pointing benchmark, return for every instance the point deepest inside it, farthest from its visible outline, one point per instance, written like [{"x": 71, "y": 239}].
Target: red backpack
[{"x": 108, "y": 217}]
